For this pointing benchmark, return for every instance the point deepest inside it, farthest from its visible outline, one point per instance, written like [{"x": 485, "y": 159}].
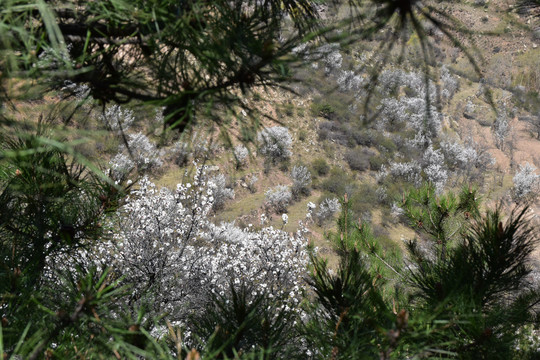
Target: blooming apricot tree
[{"x": 163, "y": 246}]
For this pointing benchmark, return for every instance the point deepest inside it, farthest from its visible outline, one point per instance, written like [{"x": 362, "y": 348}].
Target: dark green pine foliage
[
  {"x": 475, "y": 284},
  {"x": 441, "y": 218},
  {"x": 350, "y": 315},
  {"x": 183, "y": 55},
  {"x": 51, "y": 206},
  {"x": 382, "y": 256},
  {"x": 81, "y": 316},
  {"x": 478, "y": 301},
  {"x": 243, "y": 322}
]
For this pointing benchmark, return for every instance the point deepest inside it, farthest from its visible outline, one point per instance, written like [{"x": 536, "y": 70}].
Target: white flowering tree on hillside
[
  {"x": 155, "y": 246},
  {"x": 411, "y": 110},
  {"x": 278, "y": 199},
  {"x": 120, "y": 166},
  {"x": 469, "y": 159},
  {"x": 241, "y": 154},
  {"x": 221, "y": 192},
  {"x": 142, "y": 151},
  {"x": 526, "y": 183},
  {"x": 301, "y": 178},
  {"x": 327, "y": 209},
  {"x": 275, "y": 143},
  {"x": 431, "y": 168},
  {"x": 117, "y": 119},
  {"x": 163, "y": 246},
  {"x": 501, "y": 130},
  {"x": 271, "y": 260},
  {"x": 450, "y": 84},
  {"x": 434, "y": 168}
]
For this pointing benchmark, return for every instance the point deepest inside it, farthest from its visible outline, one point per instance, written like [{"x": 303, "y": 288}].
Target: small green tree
[
  {"x": 480, "y": 289},
  {"x": 473, "y": 302},
  {"x": 441, "y": 218}
]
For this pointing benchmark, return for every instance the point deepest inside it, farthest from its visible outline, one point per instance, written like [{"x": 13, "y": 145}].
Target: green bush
[
  {"x": 384, "y": 143},
  {"x": 339, "y": 183},
  {"x": 358, "y": 159},
  {"x": 363, "y": 200},
  {"x": 324, "y": 110},
  {"x": 288, "y": 109},
  {"x": 320, "y": 167},
  {"x": 363, "y": 137},
  {"x": 376, "y": 162}
]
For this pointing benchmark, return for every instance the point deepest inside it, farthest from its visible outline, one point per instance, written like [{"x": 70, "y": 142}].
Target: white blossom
[
  {"x": 349, "y": 81},
  {"x": 164, "y": 247},
  {"x": 120, "y": 166},
  {"x": 327, "y": 209},
  {"x": 434, "y": 168},
  {"x": 410, "y": 110},
  {"x": 526, "y": 182},
  {"x": 81, "y": 91},
  {"x": 450, "y": 83},
  {"x": 501, "y": 129},
  {"x": 142, "y": 151},
  {"x": 116, "y": 118},
  {"x": 278, "y": 198},
  {"x": 241, "y": 154},
  {"x": 410, "y": 171},
  {"x": 301, "y": 181},
  {"x": 275, "y": 143},
  {"x": 221, "y": 193}
]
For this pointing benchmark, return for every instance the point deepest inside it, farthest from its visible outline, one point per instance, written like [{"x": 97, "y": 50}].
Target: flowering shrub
[
  {"x": 327, "y": 209},
  {"x": 409, "y": 110},
  {"x": 241, "y": 154},
  {"x": 80, "y": 91},
  {"x": 526, "y": 183},
  {"x": 331, "y": 57},
  {"x": 457, "y": 155},
  {"x": 471, "y": 159},
  {"x": 164, "y": 247},
  {"x": 450, "y": 84},
  {"x": 301, "y": 181},
  {"x": 349, "y": 81},
  {"x": 382, "y": 194},
  {"x": 117, "y": 119},
  {"x": 154, "y": 247},
  {"x": 220, "y": 191},
  {"x": 392, "y": 116},
  {"x": 120, "y": 167},
  {"x": 421, "y": 117},
  {"x": 410, "y": 171},
  {"x": 501, "y": 129},
  {"x": 396, "y": 211},
  {"x": 434, "y": 168},
  {"x": 390, "y": 80},
  {"x": 143, "y": 152},
  {"x": 275, "y": 143},
  {"x": 431, "y": 168},
  {"x": 270, "y": 259},
  {"x": 278, "y": 199}
]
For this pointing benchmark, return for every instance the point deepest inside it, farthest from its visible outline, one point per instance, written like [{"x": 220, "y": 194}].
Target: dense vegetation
[{"x": 101, "y": 257}]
